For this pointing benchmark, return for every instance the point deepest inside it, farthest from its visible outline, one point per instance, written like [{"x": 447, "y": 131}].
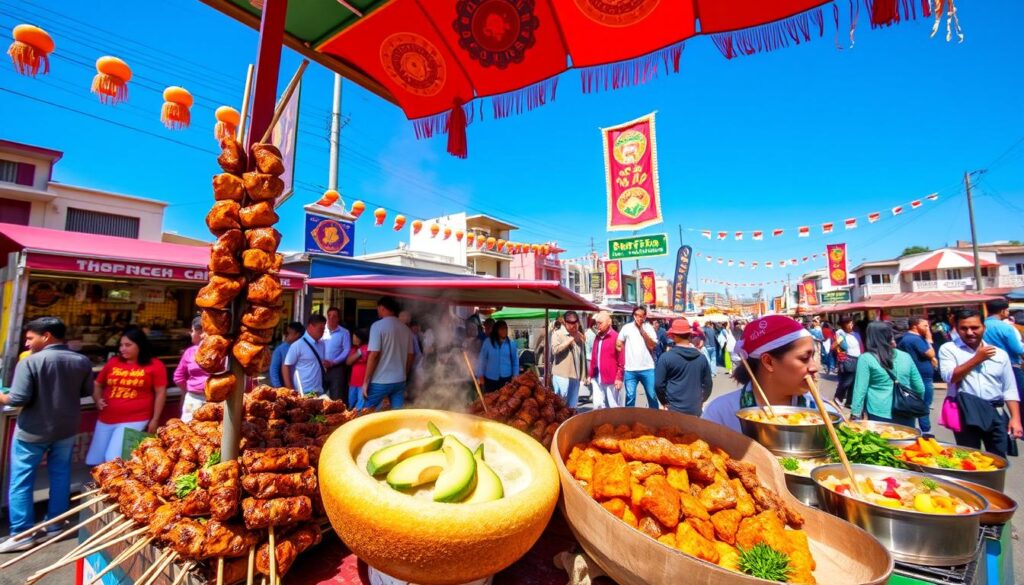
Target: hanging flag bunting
[
  {"x": 837, "y": 264},
  {"x": 805, "y": 258},
  {"x": 826, "y": 228},
  {"x": 706, "y": 234},
  {"x": 915, "y": 204},
  {"x": 873, "y": 217},
  {"x": 815, "y": 256},
  {"x": 804, "y": 231},
  {"x": 729, "y": 262},
  {"x": 793, "y": 261},
  {"x": 719, "y": 260},
  {"x": 753, "y": 265},
  {"x": 722, "y": 235},
  {"x": 782, "y": 263},
  {"x": 613, "y": 279},
  {"x": 741, "y": 263},
  {"x": 739, "y": 235},
  {"x": 897, "y": 210},
  {"x": 851, "y": 224},
  {"x": 767, "y": 264},
  {"x": 932, "y": 197},
  {"x": 631, "y": 174},
  {"x": 758, "y": 236},
  {"x": 708, "y": 258},
  {"x": 649, "y": 290},
  {"x": 679, "y": 285},
  {"x": 777, "y": 232}
]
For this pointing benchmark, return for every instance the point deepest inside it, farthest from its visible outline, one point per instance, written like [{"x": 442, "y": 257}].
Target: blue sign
[{"x": 327, "y": 235}]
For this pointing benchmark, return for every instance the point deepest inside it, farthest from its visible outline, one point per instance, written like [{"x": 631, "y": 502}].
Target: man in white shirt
[
  {"x": 849, "y": 349},
  {"x": 304, "y": 363},
  {"x": 390, "y": 357},
  {"x": 973, "y": 368},
  {"x": 637, "y": 339},
  {"x": 338, "y": 342}
]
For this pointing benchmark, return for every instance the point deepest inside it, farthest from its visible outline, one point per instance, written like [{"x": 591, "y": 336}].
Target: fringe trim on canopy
[
  {"x": 631, "y": 72},
  {"x": 525, "y": 99},
  {"x": 769, "y": 37},
  {"x": 437, "y": 124},
  {"x": 890, "y": 12}
]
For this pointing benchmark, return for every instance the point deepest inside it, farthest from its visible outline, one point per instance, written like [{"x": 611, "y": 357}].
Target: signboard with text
[
  {"x": 596, "y": 281},
  {"x": 638, "y": 247},
  {"x": 834, "y": 297},
  {"x": 329, "y": 235},
  {"x": 679, "y": 302},
  {"x": 631, "y": 174}
]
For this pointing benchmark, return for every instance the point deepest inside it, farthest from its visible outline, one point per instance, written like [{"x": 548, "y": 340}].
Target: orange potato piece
[
  {"x": 704, "y": 527},
  {"x": 718, "y": 496},
  {"x": 728, "y": 556},
  {"x": 678, "y": 479},
  {"x": 611, "y": 477},
  {"x": 661, "y": 501},
  {"x": 691, "y": 507},
  {"x": 692, "y": 543},
  {"x": 616, "y": 506},
  {"x": 744, "y": 503},
  {"x": 726, "y": 523}
]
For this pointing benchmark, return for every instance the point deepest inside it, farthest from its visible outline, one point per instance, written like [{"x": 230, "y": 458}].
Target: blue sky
[{"x": 800, "y": 136}]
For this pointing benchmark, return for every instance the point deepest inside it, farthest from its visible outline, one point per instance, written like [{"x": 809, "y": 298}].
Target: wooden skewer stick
[
  {"x": 131, "y": 550},
  {"x": 220, "y": 570},
  {"x": 183, "y": 572},
  {"x": 96, "y": 549},
  {"x": 77, "y": 497},
  {"x": 74, "y": 510},
  {"x": 161, "y": 567},
  {"x": 155, "y": 568},
  {"x": 476, "y": 384},
  {"x": 58, "y": 537},
  {"x": 832, "y": 432},
  {"x": 109, "y": 531},
  {"x": 273, "y": 556},
  {"x": 757, "y": 386},
  {"x": 244, "y": 114},
  {"x": 250, "y": 571},
  {"x": 288, "y": 91}
]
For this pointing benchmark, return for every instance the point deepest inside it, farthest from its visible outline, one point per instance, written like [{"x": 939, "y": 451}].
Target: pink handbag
[{"x": 949, "y": 415}]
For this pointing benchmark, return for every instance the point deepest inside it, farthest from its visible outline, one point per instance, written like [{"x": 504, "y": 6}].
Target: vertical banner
[
  {"x": 613, "y": 279},
  {"x": 679, "y": 284},
  {"x": 837, "y": 264},
  {"x": 648, "y": 292},
  {"x": 809, "y": 293},
  {"x": 285, "y": 138},
  {"x": 631, "y": 174}
]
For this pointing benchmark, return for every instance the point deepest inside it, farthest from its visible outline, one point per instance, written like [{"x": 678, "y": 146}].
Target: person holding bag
[
  {"x": 887, "y": 386},
  {"x": 848, "y": 350}
]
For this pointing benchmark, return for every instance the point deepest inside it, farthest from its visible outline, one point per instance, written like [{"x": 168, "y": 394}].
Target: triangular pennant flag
[
  {"x": 826, "y": 228},
  {"x": 915, "y": 204},
  {"x": 722, "y": 235},
  {"x": 741, "y": 264},
  {"x": 805, "y": 259},
  {"x": 776, "y": 233},
  {"x": 793, "y": 261},
  {"x": 753, "y": 265},
  {"x": 706, "y": 234},
  {"x": 851, "y": 223},
  {"x": 815, "y": 256},
  {"x": 767, "y": 264},
  {"x": 708, "y": 258},
  {"x": 932, "y": 197},
  {"x": 719, "y": 259},
  {"x": 782, "y": 263},
  {"x": 804, "y": 231},
  {"x": 873, "y": 217},
  {"x": 897, "y": 210},
  {"x": 730, "y": 262},
  {"x": 739, "y": 235},
  {"x": 758, "y": 236}
]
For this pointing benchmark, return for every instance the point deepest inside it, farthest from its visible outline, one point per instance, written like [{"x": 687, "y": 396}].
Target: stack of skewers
[{"x": 524, "y": 403}]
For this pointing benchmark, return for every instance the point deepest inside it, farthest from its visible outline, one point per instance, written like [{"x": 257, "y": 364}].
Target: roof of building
[
  {"x": 11, "y": 146},
  {"x": 487, "y": 221},
  {"x": 876, "y": 264}
]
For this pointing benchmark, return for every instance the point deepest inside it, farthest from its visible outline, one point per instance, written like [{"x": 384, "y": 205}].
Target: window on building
[
  {"x": 14, "y": 211},
  {"x": 1019, "y": 267},
  {"x": 881, "y": 278},
  {"x": 922, "y": 275},
  {"x": 985, "y": 272},
  {"x": 107, "y": 224},
  {"x": 862, "y": 280},
  {"x": 953, "y": 274},
  {"x": 17, "y": 173}
]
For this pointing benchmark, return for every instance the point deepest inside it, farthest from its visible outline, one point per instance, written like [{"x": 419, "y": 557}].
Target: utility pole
[
  {"x": 974, "y": 233},
  {"x": 332, "y": 177}
]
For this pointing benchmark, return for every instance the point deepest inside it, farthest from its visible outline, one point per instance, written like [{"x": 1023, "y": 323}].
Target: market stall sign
[
  {"x": 122, "y": 269},
  {"x": 834, "y": 297},
  {"x": 638, "y": 247},
  {"x": 596, "y": 281},
  {"x": 329, "y": 235}
]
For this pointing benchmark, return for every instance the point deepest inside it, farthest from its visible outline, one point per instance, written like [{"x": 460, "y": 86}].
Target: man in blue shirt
[
  {"x": 338, "y": 342},
  {"x": 292, "y": 333},
  {"x": 1000, "y": 333},
  {"x": 918, "y": 343},
  {"x": 304, "y": 363}
]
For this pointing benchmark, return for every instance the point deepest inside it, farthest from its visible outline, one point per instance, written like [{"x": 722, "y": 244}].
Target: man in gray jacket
[{"x": 48, "y": 386}]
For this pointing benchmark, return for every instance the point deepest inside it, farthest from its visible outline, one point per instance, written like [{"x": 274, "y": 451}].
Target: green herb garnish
[
  {"x": 929, "y": 484},
  {"x": 317, "y": 419},
  {"x": 185, "y": 484},
  {"x": 866, "y": 447},
  {"x": 764, "y": 562},
  {"x": 790, "y": 463},
  {"x": 213, "y": 459},
  {"x": 946, "y": 462},
  {"x": 960, "y": 454}
]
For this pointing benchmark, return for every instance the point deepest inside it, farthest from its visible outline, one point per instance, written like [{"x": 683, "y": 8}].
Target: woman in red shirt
[
  {"x": 357, "y": 357},
  {"x": 130, "y": 393}
]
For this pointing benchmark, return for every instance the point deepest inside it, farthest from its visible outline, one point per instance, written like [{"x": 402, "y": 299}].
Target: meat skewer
[
  {"x": 43, "y": 572},
  {"x": 59, "y": 537},
  {"x": 121, "y": 558},
  {"x": 77, "y": 497},
  {"x": 56, "y": 519},
  {"x": 277, "y": 512}
]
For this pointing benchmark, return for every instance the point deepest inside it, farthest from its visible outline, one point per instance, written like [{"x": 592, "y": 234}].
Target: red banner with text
[
  {"x": 649, "y": 295},
  {"x": 631, "y": 173},
  {"x": 613, "y": 279},
  {"x": 837, "y": 264},
  {"x": 808, "y": 293}
]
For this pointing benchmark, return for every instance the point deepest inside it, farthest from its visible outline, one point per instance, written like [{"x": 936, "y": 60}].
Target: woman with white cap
[{"x": 780, "y": 352}]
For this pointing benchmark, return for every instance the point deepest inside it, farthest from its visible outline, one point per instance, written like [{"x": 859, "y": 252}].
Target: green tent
[{"x": 509, "y": 314}]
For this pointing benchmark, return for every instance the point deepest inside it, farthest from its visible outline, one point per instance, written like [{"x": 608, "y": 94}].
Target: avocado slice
[
  {"x": 459, "y": 476},
  {"x": 387, "y": 457},
  {"x": 417, "y": 470},
  {"x": 434, "y": 431},
  {"x": 488, "y": 484}
]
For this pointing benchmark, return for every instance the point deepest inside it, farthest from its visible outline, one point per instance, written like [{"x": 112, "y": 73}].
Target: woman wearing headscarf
[
  {"x": 877, "y": 368},
  {"x": 780, "y": 352}
]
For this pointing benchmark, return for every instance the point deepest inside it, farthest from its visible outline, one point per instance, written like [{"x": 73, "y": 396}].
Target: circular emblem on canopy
[
  {"x": 414, "y": 63},
  {"x": 495, "y": 32},
  {"x": 617, "y": 12}
]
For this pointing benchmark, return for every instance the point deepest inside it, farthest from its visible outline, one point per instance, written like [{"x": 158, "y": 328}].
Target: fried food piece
[
  {"x": 257, "y": 336},
  {"x": 259, "y": 513},
  {"x": 222, "y": 480},
  {"x": 277, "y": 485},
  {"x": 678, "y": 478},
  {"x": 258, "y": 260},
  {"x": 260, "y": 317},
  {"x": 258, "y": 215},
  {"x": 219, "y": 293},
  {"x": 264, "y": 290},
  {"x": 276, "y": 460},
  {"x": 691, "y": 507},
  {"x": 764, "y": 498},
  {"x": 801, "y": 563},
  {"x": 765, "y": 528},
  {"x": 209, "y": 412},
  {"x": 611, "y": 477},
  {"x": 228, "y": 540},
  {"x": 616, "y": 506},
  {"x": 232, "y": 156},
  {"x": 744, "y": 503},
  {"x": 661, "y": 501},
  {"x": 219, "y": 387},
  {"x": 718, "y": 496},
  {"x": 288, "y": 548},
  {"x": 649, "y": 526},
  {"x": 703, "y": 527},
  {"x": 668, "y": 540},
  {"x": 656, "y": 450},
  {"x": 224, "y": 262},
  {"x": 249, "y": 354},
  {"x": 642, "y": 471},
  {"x": 228, "y": 187},
  {"x": 728, "y": 556},
  {"x": 726, "y": 523},
  {"x": 605, "y": 438},
  {"x": 262, "y": 186},
  {"x": 223, "y": 216},
  {"x": 215, "y": 322},
  {"x": 231, "y": 242},
  {"x": 692, "y": 543},
  {"x": 702, "y": 470},
  {"x": 266, "y": 239},
  {"x": 212, "y": 352},
  {"x": 268, "y": 158}
]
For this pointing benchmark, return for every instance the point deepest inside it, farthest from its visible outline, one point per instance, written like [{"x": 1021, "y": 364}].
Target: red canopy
[
  {"x": 947, "y": 259},
  {"x": 113, "y": 257},
  {"x": 469, "y": 291}
]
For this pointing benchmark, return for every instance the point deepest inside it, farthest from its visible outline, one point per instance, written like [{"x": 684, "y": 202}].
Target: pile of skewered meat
[
  {"x": 524, "y": 403},
  {"x": 244, "y": 264}
]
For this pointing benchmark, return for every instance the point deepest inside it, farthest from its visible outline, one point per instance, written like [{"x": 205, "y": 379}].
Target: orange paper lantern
[
  {"x": 470, "y": 238},
  {"x": 447, "y": 233},
  {"x": 480, "y": 242},
  {"x": 330, "y": 197},
  {"x": 459, "y": 235},
  {"x": 176, "y": 113},
  {"x": 30, "y": 50},
  {"x": 111, "y": 81},
  {"x": 500, "y": 244},
  {"x": 490, "y": 243},
  {"x": 358, "y": 207},
  {"x": 399, "y": 222},
  {"x": 434, "y": 230},
  {"x": 545, "y": 250},
  {"x": 417, "y": 225},
  {"x": 379, "y": 216},
  {"x": 227, "y": 122},
  {"x": 535, "y": 248}
]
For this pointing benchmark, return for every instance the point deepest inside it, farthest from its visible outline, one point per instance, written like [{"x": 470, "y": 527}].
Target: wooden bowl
[
  {"x": 426, "y": 542},
  {"x": 843, "y": 552}
]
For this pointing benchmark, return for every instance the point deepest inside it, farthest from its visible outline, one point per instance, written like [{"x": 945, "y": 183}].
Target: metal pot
[
  {"x": 803, "y": 487},
  {"x": 787, "y": 440},
  {"x": 1001, "y": 507},
  {"x": 993, "y": 479},
  {"x": 876, "y": 426},
  {"x": 911, "y": 536}
]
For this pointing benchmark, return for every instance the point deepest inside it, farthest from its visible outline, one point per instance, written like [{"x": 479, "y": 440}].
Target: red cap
[
  {"x": 680, "y": 327},
  {"x": 768, "y": 333}
]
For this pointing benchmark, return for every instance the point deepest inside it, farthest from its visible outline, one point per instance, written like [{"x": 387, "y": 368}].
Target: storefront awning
[
  {"x": 465, "y": 291},
  {"x": 113, "y": 257},
  {"x": 902, "y": 300}
]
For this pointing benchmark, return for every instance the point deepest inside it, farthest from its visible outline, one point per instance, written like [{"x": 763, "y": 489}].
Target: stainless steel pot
[
  {"x": 874, "y": 425},
  {"x": 993, "y": 479},
  {"x": 803, "y": 487},
  {"x": 911, "y": 536},
  {"x": 787, "y": 440}
]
